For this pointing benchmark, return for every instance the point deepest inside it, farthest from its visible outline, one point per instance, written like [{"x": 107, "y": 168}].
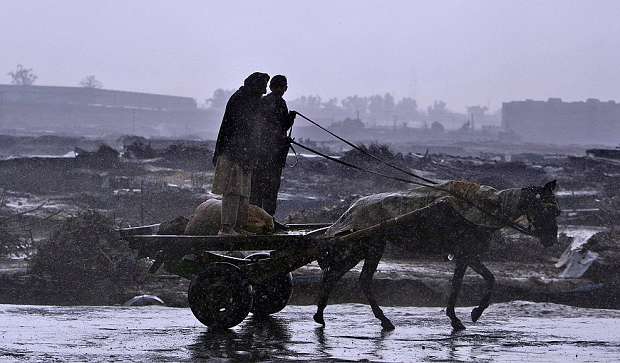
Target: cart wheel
[
  {"x": 271, "y": 295},
  {"x": 220, "y": 296}
]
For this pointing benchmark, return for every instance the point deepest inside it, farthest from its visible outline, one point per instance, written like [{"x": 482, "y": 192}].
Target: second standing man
[{"x": 276, "y": 120}]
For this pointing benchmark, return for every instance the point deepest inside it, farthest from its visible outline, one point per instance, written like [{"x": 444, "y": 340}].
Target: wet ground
[{"x": 516, "y": 331}]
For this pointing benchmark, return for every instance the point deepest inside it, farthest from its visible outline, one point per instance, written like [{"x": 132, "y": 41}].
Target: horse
[{"x": 447, "y": 224}]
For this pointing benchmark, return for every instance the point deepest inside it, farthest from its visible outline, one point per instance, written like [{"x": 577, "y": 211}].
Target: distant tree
[
  {"x": 22, "y": 76},
  {"x": 219, "y": 99},
  {"x": 353, "y": 105},
  {"x": 437, "y": 127},
  {"x": 332, "y": 109},
  {"x": 382, "y": 108},
  {"x": 389, "y": 106},
  {"x": 407, "y": 109},
  {"x": 439, "y": 112},
  {"x": 91, "y": 82},
  {"x": 375, "y": 107},
  {"x": 310, "y": 105}
]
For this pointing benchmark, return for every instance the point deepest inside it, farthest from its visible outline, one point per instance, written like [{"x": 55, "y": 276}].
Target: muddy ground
[
  {"x": 516, "y": 331},
  {"x": 40, "y": 192}
]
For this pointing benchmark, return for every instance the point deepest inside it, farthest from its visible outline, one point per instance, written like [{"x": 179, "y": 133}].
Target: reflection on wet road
[{"x": 517, "y": 331}]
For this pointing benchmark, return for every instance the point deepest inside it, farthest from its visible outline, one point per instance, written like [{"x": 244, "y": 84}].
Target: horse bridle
[
  {"x": 525, "y": 204},
  {"x": 531, "y": 201}
]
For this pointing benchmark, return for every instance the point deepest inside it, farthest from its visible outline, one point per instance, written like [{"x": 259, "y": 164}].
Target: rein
[
  {"x": 502, "y": 219},
  {"x": 366, "y": 152}
]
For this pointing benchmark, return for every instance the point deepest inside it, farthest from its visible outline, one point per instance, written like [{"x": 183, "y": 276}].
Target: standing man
[
  {"x": 275, "y": 122},
  {"x": 235, "y": 153}
]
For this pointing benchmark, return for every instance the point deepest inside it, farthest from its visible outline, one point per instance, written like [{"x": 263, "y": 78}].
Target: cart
[{"x": 225, "y": 289}]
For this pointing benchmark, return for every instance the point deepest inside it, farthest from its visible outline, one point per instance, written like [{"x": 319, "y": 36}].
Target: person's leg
[
  {"x": 271, "y": 194},
  {"x": 273, "y": 180},
  {"x": 230, "y": 209},
  {"x": 230, "y": 198},
  {"x": 256, "y": 193},
  {"x": 242, "y": 214},
  {"x": 245, "y": 188}
]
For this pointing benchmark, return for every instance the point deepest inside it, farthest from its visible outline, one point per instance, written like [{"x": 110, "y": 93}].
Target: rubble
[
  {"x": 146, "y": 191},
  {"x": 82, "y": 252},
  {"x": 105, "y": 157}
]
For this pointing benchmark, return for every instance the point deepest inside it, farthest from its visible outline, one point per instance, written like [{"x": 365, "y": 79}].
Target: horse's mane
[{"x": 470, "y": 197}]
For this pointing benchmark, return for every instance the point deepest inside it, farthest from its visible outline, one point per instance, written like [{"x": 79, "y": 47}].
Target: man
[
  {"x": 275, "y": 122},
  {"x": 235, "y": 151}
]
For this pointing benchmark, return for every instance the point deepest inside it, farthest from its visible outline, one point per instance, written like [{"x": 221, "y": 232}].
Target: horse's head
[{"x": 541, "y": 209}]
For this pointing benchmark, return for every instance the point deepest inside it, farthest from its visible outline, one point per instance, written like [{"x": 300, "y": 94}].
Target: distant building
[
  {"x": 87, "y": 111},
  {"x": 554, "y": 121}
]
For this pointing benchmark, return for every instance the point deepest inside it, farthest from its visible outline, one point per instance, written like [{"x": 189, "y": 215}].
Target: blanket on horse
[{"x": 467, "y": 198}]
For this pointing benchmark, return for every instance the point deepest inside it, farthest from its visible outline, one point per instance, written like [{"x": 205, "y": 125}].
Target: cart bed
[{"x": 146, "y": 240}]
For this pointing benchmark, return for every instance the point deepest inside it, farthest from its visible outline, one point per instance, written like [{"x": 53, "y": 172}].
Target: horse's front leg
[
  {"x": 481, "y": 269},
  {"x": 457, "y": 280}
]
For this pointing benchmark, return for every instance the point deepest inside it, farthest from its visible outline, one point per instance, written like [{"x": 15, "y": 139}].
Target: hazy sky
[{"x": 464, "y": 52}]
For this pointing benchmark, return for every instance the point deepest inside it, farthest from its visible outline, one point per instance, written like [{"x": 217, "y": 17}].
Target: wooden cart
[{"x": 225, "y": 289}]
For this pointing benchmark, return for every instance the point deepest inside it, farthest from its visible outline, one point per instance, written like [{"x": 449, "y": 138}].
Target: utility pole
[
  {"x": 1, "y": 107},
  {"x": 141, "y": 202},
  {"x": 133, "y": 121}
]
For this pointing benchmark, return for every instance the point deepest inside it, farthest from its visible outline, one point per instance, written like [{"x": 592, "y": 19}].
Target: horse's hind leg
[
  {"x": 328, "y": 281},
  {"x": 370, "y": 266},
  {"x": 457, "y": 280},
  {"x": 481, "y": 269}
]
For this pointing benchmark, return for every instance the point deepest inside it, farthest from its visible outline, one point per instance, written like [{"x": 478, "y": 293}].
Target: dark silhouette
[
  {"x": 437, "y": 229},
  {"x": 276, "y": 120},
  {"x": 235, "y": 151}
]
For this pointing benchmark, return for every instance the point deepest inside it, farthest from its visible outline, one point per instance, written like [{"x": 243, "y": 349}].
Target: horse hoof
[
  {"x": 457, "y": 326},
  {"x": 476, "y": 313},
  {"x": 319, "y": 319},
  {"x": 387, "y": 325}
]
